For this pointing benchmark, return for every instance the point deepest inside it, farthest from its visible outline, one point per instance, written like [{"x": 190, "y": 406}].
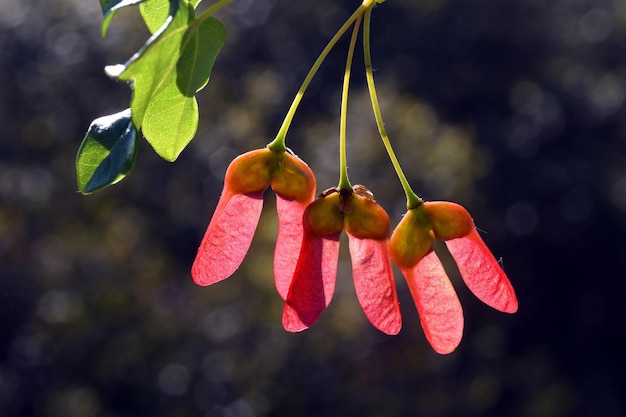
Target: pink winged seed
[
  {"x": 481, "y": 272},
  {"x": 313, "y": 283},
  {"x": 438, "y": 306},
  {"x": 228, "y": 237},
  {"x": 288, "y": 242},
  {"x": 374, "y": 284}
]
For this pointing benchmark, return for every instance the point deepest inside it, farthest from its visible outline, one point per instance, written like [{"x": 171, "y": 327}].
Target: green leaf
[
  {"x": 155, "y": 12},
  {"x": 166, "y": 74},
  {"x": 110, "y": 7},
  {"x": 107, "y": 153}
]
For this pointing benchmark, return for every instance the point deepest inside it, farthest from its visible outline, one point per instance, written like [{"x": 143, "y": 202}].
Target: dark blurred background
[{"x": 513, "y": 109}]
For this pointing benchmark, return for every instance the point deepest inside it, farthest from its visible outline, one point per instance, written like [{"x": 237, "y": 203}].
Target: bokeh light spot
[
  {"x": 522, "y": 218},
  {"x": 59, "y": 306},
  {"x": 174, "y": 379}
]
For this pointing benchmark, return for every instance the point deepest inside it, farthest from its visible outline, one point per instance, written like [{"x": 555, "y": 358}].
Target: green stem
[
  {"x": 212, "y": 9},
  {"x": 412, "y": 199},
  {"x": 278, "y": 144},
  {"x": 344, "y": 182}
]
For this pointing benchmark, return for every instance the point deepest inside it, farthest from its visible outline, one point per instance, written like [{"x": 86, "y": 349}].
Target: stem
[
  {"x": 278, "y": 144},
  {"x": 212, "y": 9},
  {"x": 344, "y": 182},
  {"x": 412, "y": 199}
]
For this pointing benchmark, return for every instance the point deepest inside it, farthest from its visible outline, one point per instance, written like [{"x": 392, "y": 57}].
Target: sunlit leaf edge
[{"x": 110, "y": 7}]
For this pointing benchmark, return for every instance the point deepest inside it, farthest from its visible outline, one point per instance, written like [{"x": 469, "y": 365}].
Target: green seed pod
[
  {"x": 412, "y": 239},
  {"x": 323, "y": 217}
]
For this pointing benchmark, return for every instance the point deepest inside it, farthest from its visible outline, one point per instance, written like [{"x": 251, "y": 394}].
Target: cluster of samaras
[{"x": 307, "y": 249}]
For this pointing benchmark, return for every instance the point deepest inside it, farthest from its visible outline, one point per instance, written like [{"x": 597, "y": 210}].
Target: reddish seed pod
[
  {"x": 249, "y": 172},
  {"x": 448, "y": 220},
  {"x": 292, "y": 178},
  {"x": 367, "y": 220}
]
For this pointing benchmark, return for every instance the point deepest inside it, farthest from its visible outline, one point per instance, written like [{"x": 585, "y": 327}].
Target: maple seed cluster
[
  {"x": 307, "y": 249},
  {"x": 309, "y": 230}
]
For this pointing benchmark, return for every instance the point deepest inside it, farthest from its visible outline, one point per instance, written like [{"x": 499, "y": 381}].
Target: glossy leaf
[
  {"x": 166, "y": 74},
  {"x": 110, "y": 7},
  {"x": 107, "y": 153}
]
